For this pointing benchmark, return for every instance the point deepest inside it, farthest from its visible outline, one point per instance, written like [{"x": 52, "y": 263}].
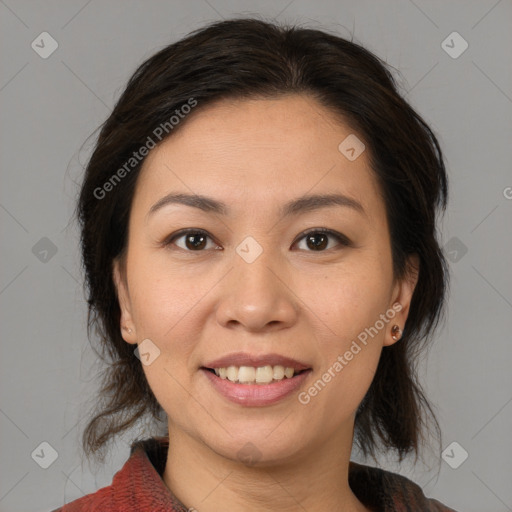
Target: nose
[{"x": 257, "y": 296}]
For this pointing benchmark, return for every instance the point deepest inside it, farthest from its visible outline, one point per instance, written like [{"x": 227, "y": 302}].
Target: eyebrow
[{"x": 295, "y": 207}]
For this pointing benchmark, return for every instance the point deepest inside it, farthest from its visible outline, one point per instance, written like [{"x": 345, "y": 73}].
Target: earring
[
  {"x": 129, "y": 331},
  {"x": 396, "y": 333}
]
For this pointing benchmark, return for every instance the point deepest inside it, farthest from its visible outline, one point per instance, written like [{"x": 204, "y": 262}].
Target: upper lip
[{"x": 244, "y": 359}]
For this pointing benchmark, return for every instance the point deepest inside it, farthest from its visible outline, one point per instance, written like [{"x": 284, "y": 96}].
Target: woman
[{"x": 259, "y": 239}]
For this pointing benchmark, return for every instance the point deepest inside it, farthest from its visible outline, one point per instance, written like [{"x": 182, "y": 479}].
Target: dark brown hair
[{"x": 247, "y": 58}]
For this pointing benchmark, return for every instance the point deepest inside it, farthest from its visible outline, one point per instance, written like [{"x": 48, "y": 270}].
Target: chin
[{"x": 256, "y": 447}]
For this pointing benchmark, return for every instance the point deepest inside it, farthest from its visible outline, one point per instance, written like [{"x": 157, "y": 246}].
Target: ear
[
  {"x": 127, "y": 325},
  {"x": 401, "y": 299}
]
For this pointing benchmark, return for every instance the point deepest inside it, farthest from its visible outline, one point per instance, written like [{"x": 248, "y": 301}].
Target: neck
[{"x": 208, "y": 482}]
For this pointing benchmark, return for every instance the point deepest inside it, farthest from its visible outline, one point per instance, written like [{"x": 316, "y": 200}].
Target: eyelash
[{"x": 342, "y": 240}]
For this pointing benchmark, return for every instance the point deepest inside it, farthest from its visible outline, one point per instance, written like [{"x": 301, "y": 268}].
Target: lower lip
[{"x": 256, "y": 395}]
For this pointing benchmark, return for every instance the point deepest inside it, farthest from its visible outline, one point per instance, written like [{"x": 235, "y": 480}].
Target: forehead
[{"x": 263, "y": 151}]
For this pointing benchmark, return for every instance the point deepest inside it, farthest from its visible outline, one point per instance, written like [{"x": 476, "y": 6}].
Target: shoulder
[
  {"x": 406, "y": 493},
  {"x": 389, "y": 491},
  {"x": 99, "y": 500},
  {"x": 136, "y": 487}
]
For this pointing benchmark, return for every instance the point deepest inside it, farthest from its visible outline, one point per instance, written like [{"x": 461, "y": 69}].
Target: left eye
[{"x": 317, "y": 240}]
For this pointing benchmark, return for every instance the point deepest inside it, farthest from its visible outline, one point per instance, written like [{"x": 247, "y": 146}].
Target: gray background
[{"x": 49, "y": 108}]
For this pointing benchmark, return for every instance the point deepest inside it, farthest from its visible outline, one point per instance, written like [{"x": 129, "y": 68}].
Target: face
[{"x": 271, "y": 279}]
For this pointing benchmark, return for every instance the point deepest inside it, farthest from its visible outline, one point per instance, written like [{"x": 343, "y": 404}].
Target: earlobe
[
  {"x": 127, "y": 326},
  {"x": 402, "y": 297},
  {"x": 395, "y": 327},
  {"x": 396, "y": 332}
]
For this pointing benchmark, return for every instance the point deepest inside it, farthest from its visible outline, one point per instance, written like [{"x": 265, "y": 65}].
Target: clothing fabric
[{"x": 139, "y": 487}]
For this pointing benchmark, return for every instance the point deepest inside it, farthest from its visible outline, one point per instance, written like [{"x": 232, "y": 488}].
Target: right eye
[{"x": 195, "y": 240}]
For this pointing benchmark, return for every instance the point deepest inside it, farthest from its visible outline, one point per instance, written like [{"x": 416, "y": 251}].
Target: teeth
[
  {"x": 232, "y": 373},
  {"x": 264, "y": 374},
  {"x": 246, "y": 374},
  {"x": 278, "y": 372},
  {"x": 251, "y": 375}
]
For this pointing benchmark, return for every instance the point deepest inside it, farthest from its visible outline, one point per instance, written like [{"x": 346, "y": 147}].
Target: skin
[{"x": 293, "y": 300}]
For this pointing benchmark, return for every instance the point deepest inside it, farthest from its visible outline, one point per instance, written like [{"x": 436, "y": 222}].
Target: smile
[
  {"x": 255, "y": 395},
  {"x": 255, "y": 380}
]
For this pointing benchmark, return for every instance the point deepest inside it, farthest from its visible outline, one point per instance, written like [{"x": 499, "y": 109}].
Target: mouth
[
  {"x": 256, "y": 380},
  {"x": 243, "y": 368}
]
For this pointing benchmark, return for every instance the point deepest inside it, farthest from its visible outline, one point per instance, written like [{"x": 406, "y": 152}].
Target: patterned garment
[{"x": 139, "y": 487}]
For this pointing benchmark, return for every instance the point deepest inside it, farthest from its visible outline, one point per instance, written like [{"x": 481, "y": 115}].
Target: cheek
[
  {"x": 349, "y": 344},
  {"x": 349, "y": 336},
  {"x": 166, "y": 312},
  {"x": 162, "y": 296},
  {"x": 347, "y": 303}
]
